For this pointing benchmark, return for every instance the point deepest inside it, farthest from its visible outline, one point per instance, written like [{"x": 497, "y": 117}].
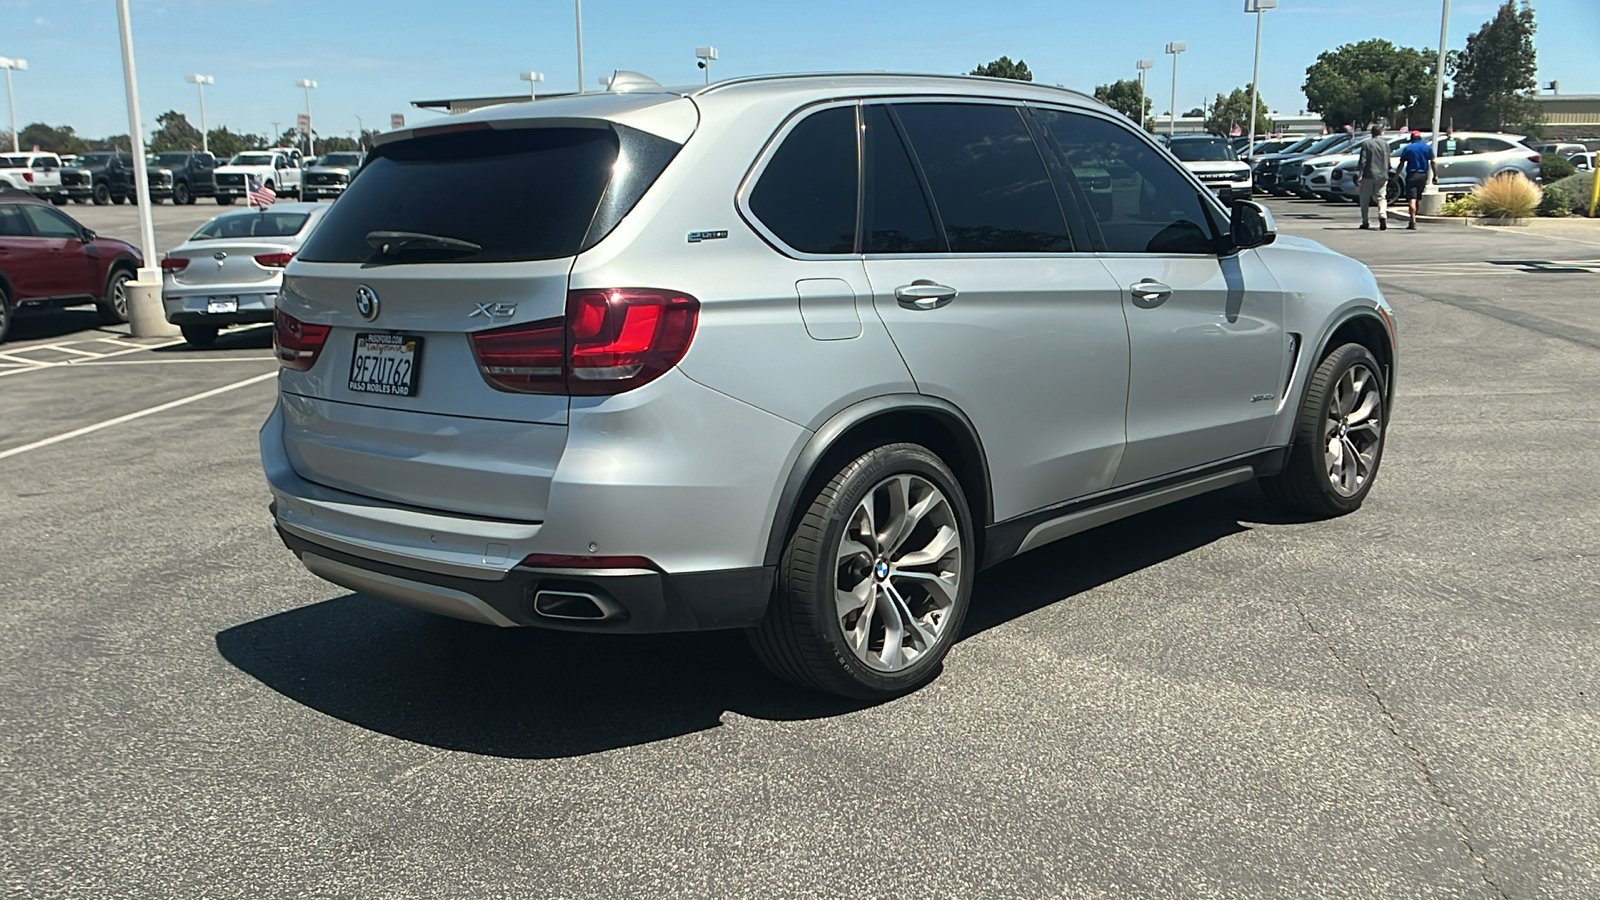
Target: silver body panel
[{"x": 1074, "y": 387}]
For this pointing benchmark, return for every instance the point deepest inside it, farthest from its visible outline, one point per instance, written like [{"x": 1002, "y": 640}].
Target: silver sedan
[{"x": 229, "y": 271}]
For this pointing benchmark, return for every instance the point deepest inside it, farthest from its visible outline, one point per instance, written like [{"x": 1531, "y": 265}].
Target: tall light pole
[
  {"x": 311, "y": 141},
  {"x": 579, "y": 20},
  {"x": 10, "y": 65},
  {"x": 1438, "y": 89},
  {"x": 705, "y": 55},
  {"x": 1144, "y": 66},
  {"x": 200, "y": 82},
  {"x": 533, "y": 79},
  {"x": 1174, "y": 48},
  {"x": 361, "y": 130},
  {"x": 1257, "y": 7},
  {"x": 145, "y": 316}
]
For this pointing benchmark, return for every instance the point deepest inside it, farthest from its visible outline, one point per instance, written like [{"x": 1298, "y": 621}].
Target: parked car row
[
  {"x": 184, "y": 176},
  {"x": 1323, "y": 168}
]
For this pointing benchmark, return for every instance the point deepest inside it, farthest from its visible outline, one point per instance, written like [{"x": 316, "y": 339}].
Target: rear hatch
[{"x": 453, "y": 231}]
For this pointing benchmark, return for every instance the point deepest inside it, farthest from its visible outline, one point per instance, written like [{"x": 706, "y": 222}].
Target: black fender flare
[{"x": 837, "y": 433}]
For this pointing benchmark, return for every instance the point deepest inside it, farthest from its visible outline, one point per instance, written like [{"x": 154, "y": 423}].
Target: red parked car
[{"x": 48, "y": 259}]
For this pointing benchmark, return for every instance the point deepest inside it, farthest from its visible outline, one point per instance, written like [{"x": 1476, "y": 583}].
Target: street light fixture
[
  {"x": 533, "y": 79},
  {"x": 19, "y": 65},
  {"x": 1144, "y": 65},
  {"x": 311, "y": 142},
  {"x": 1257, "y": 7},
  {"x": 705, "y": 55},
  {"x": 200, "y": 82},
  {"x": 1174, "y": 48}
]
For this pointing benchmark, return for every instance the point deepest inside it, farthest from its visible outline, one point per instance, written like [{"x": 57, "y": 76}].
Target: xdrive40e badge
[{"x": 367, "y": 302}]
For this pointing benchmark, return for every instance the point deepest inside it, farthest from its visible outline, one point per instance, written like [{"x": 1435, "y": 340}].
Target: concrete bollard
[
  {"x": 146, "y": 318},
  {"x": 1431, "y": 204}
]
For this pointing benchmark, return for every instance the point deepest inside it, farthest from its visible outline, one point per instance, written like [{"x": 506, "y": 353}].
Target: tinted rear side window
[
  {"x": 897, "y": 216},
  {"x": 521, "y": 194},
  {"x": 807, "y": 193},
  {"x": 988, "y": 180}
]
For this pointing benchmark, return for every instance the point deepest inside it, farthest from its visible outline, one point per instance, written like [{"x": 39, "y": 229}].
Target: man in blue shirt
[{"x": 1416, "y": 165}]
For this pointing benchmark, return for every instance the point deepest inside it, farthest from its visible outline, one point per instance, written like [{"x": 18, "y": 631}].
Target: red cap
[{"x": 1415, "y": 133}]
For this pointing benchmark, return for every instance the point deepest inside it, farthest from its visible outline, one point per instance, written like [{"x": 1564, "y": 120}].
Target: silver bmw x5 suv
[{"x": 798, "y": 355}]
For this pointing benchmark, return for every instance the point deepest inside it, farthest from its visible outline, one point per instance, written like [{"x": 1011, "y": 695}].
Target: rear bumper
[
  {"x": 190, "y": 308},
  {"x": 629, "y": 601}
]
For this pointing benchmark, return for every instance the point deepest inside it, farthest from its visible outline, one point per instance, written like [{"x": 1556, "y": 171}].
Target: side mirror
[
  {"x": 1251, "y": 225},
  {"x": 89, "y": 235}
]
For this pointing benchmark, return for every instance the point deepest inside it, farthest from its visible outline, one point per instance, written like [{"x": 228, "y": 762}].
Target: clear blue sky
[{"x": 371, "y": 58}]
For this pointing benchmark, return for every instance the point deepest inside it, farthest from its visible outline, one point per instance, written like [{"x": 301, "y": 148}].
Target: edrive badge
[{"x": 367, "y": 302}]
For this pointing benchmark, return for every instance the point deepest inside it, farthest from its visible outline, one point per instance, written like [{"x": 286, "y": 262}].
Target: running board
[{"x": 1065, "y": 526}]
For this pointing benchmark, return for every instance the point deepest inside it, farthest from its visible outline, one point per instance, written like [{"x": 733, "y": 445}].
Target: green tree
[
  {"x": 1371, "y": 82},
  {"x": 1234, "y": 109},
  {"x": 1496, "y": 76},
  {"x": 175, "y": 133},
  {"x": 1123, "y": 96},
  {"x": 1005, "y": 68},
  {"x": 61, "y": 139},
  {"x": 226, "y": 144},
  {"x": 1195, "y": 113}
]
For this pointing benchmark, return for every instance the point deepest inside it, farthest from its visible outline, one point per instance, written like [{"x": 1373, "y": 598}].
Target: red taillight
[
  {"x": 563, "y": 561},
  {"x": 174, "y": 264},
  {"x": 525, "y": 359},
  {"x": 296, "y": 343},
  {"x": 610, "y": 341},
  {"x": 1535, "y": 158},
  {"x": 274, "y": 260},
  {"x": 28, "y": 177}
]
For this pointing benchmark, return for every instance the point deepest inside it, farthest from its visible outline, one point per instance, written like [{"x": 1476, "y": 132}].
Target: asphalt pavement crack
[{"x": 1413, "y": 753}]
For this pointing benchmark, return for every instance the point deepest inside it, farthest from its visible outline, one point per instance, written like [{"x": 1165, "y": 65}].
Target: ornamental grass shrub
[
  {"x": 1462, "y": 206},
  {"x": 1509, "y": 195}
]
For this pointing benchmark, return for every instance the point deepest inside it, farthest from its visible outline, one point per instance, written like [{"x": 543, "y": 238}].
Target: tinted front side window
[
  {"x": 988, "y": 180},
  {"x": 897, "y": 216},
  {"x": 807, "y": 193},
  {"x": 1139, "y": 198},
  {"x": 49, "y": 223},
  {"x": 520, "y": 194}
]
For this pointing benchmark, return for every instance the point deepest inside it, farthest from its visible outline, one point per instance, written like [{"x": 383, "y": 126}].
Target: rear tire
[
  {"x": 1338, "y": 438},
  {"x": 119, "y": 199},
  {"x": 6, "y": 313},
  {"x": 113, "y": 307},
  {"x": 199, "y": 335},
  {"x": 59, "y": 201},
  {"x": 224, "y": 201},
  {"x": 875, "y": 579}
]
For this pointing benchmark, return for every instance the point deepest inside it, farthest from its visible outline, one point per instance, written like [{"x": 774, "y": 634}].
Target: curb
[{"x": 1532, "y": 222}]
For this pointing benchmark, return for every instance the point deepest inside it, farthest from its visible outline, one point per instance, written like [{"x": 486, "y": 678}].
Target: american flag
[
  {"x": 258, "y": 193},
  {"x": 1234, "y": 130}
]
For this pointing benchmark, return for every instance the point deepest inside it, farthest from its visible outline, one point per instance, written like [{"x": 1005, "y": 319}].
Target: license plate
[
  {"x": 386, "y": 364},
  {"x": 222, "y": 305}
]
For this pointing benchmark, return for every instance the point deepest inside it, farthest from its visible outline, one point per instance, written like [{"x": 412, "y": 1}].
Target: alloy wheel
[
  {"x": 119, "y": 296},
  {"x": 898, "y": 572},
  {"x": 1354, "y": 430}
]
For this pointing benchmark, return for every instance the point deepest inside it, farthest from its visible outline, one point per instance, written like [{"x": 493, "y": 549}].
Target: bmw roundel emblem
[
  {"x": 367, "y": 302},
  {"x": 881, "y": 570}
]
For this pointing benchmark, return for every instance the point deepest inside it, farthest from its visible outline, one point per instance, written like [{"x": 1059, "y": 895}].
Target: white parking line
[{"x": 90, "y": 429}]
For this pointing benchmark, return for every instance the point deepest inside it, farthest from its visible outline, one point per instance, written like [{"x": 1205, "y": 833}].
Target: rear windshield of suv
[
  {"x": 518, "y": 194},
  {"x": 252, "y": 224},
  {"x": 1202, "y": 151},
  {"x": 340, "y": 159}
]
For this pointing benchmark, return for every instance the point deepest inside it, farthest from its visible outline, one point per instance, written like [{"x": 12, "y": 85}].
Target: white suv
[{"x": 796, "y": 355}]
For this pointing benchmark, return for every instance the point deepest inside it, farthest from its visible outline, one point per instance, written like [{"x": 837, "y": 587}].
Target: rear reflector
[
  {"x": 296, "y": 343},
  {"x": 610, "y": 341},
  {"x": 562, "y": 561},
  {"x": 274, "y": 260},
  {"x": 174, "y": 264}
]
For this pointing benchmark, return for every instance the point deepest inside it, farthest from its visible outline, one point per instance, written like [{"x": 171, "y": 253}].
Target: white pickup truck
[
  {"x": 37, "y": 173},
  {"x": 279, "y": 167}
]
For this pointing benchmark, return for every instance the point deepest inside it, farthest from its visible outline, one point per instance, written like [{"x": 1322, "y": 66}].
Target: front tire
[
  {"x": 102, "y": 195},
  {"x": 180, "y": 195},
  {"x": 113, "y": 307},
  {"x": 1338, "y": 438},
  {"x": 6, "y": 312},
  {"x": 224, "y": 201},
  {"x": 199, "y": 335},
  {"x": 875, "y": 579}
]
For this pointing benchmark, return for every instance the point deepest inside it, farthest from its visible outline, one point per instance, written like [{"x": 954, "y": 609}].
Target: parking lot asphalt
[{"x": 1209, "y": 700}]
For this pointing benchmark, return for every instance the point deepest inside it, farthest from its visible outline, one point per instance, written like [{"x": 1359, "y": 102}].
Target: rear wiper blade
[{"x": 394, "y": 243}]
